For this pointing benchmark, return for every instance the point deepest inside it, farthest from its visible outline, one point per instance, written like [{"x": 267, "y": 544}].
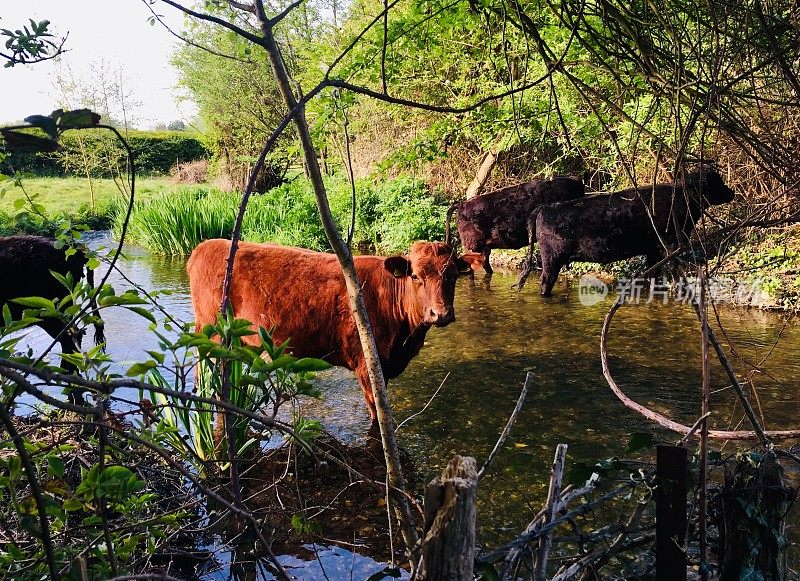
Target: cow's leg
[
  {"x": 527, "y": 267},
  {"x": 69, "y": 344},
  {"x": 552, "y": 262},
  {"x": 530, "y": 260},
  {"x": 487, "y": 266},
  {"x": 366, "y": 387}
]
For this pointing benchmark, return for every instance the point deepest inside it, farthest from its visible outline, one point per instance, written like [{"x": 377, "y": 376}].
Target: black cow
[
  {"x": 650, "y": 221},
  {"x": 27, "y": 264},
  {"x": 500, "y": 219}
]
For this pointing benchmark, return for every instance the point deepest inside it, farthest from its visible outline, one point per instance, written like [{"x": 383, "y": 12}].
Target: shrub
[
  {"x": 98, "y": 152},
  {"x": 190, "y": 172}
]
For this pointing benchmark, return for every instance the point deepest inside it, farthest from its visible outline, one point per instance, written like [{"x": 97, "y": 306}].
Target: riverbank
[{"x": 40, "y": 203}]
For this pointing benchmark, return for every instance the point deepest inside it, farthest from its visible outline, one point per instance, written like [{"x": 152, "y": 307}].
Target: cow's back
[
  {"x": 26, "y": 263},
  {"x": 609, "y": 227},
  {"x": 499, "y": 219}
]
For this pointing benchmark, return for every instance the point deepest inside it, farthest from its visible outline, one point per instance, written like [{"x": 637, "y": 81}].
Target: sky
[{"x": 113, "y": 32}]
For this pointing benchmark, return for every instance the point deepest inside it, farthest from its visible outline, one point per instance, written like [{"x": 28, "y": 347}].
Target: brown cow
[
  {"x": 650, "y": 221},
  {"x": 27, "y": 264},
  {"x": 302, "y": 295},
  {"x": 500, "y": 218}
]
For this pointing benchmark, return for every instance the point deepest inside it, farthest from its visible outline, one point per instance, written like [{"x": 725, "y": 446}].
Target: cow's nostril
[{"x": 441, "y": 318}]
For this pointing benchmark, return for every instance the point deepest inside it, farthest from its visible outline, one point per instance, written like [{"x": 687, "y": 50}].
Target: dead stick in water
[{"x": 509, "y": 424}]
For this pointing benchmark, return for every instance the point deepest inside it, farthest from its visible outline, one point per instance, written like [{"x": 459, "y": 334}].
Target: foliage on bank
[{"x": 389, "y": 216}]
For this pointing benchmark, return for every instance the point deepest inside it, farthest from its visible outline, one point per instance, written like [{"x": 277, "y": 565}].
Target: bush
[
  {"x": 190, "y": 172},
  {"x": 100, "y": 218},
  {"x": 99, "y": 152}
]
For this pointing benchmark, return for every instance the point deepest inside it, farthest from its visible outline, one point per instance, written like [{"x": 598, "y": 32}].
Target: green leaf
[
  {"x": 142, "y": 312},
  {"x": 125, "y": 299},
  {"x": 140, "y": 368},
  {"x": 113, "y": 481},
  {"x": 36, "y": 303},
  {"x": 71, "y": 505},
  {"x": 310, "y": 364},
  {"x": 157, "y": 355},
  {"x": 281, "y": 362},
  {"x": 55, "y": 466},
  {"x": 77, "y": 119}
]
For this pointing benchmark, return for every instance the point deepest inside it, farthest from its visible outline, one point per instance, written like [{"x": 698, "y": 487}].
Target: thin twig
[
  {"x": 430, "y": 400},
  {"x": 509, "y": 424}
]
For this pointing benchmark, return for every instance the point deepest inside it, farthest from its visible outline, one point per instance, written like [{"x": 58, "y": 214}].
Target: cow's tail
[
  {"x": 99, "y": 325},
  {"x": 449, "y": 216},
  {"x": 536, "y": 211}
]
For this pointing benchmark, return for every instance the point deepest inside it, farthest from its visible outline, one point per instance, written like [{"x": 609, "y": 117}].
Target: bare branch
[
  {"x": 509, "y": 424},
  {"x": 254, "y": 38}
]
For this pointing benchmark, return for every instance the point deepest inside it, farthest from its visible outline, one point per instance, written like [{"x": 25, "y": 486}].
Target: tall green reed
[{"x": 389, "y": 216}]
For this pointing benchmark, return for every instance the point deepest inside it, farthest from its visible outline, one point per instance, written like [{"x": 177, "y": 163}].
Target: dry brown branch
[{"x": 661, "y": 419}]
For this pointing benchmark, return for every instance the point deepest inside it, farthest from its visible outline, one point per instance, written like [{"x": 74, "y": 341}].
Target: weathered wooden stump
[{"x": 448, "y": 549}]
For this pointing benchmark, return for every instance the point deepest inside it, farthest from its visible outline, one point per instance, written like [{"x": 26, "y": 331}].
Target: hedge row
[{"x": 100, "y": 152}]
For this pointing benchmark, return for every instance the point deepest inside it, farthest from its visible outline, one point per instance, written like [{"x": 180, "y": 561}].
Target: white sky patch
[{"x": 112, "y": 31}]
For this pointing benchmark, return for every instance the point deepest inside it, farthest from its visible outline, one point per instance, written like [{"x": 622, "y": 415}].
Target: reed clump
[{"x": 389, "y": 216}]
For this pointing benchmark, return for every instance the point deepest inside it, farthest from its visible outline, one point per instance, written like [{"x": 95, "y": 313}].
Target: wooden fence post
[
  {"x": 448, "y": 549},
  {"x": 671, "y": 513}
]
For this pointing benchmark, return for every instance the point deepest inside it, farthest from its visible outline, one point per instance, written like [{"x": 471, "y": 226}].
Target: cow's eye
[{"x": 414, "y": 276}]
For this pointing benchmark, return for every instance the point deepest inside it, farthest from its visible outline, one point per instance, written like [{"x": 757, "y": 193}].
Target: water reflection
[{"x": 501, "y": 334}]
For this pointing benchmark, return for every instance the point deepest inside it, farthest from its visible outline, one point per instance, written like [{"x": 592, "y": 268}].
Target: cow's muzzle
[{"x": 440, "y": 318}]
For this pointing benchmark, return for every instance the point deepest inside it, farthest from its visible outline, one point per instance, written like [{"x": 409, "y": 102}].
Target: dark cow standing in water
[
  {"x": 27, "y": 264},
  {"x": 302, "y": 295},
  {"x": 650, "y": 221},
  {"x": 500, "y": 219}
]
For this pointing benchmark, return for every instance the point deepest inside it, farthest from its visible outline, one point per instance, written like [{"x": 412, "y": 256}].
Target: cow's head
[
  {"x": 709, "y": 184},
  {"x": 429, "y": 275},
  {"x": 471, "y": 235}
]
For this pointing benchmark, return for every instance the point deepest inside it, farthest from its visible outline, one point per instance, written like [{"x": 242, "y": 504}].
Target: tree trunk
[
  {"x": 448, "y": 549},
  {"x": 343, "y": 253},
  {"x": 482, "y": 176}
]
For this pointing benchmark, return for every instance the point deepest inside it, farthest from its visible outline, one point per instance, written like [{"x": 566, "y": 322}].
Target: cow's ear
[
  {"x": 469, "y": 261},
  {"x": 399, "y": 266}
]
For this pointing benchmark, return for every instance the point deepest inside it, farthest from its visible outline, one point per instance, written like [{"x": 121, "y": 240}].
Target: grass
[
  {"x": 173, "y": 219},
  {"x": 70, "y": 197}
]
